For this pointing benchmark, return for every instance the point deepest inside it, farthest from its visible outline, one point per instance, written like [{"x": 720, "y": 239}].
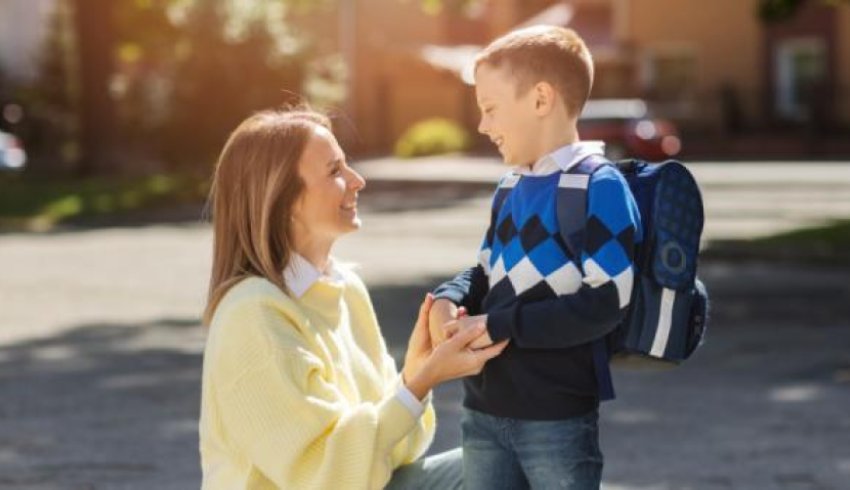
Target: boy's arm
[
  {"x": 470, "y": 286},
  {"x": 466, "y": 289},
  {"x": 612, "y": 229}
]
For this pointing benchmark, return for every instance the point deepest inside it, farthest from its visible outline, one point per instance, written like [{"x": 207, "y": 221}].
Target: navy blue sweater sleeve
[
  {"x": 466, "y": 289},
  {"x": 470, "y": 286},
  {"x": 612, "y": 228}
]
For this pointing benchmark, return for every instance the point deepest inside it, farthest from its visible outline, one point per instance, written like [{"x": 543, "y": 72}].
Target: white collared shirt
[
  {"x": 563, "y": 158},
  {"x": 300, "y": 275}
]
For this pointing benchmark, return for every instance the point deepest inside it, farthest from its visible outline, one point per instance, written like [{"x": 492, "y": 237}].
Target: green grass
[
  {"x": 833, "y": 235},
  {"x": 41, "y": 204},
  {"x": 826, "y": 244}
]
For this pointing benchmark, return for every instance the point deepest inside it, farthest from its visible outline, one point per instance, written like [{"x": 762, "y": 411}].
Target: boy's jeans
[{"x": 505, "y": 453}]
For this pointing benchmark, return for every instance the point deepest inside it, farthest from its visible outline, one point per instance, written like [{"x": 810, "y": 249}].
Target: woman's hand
[
  {"x": 464, "y": 322},
  {"x": 428, "y": 365},
  {"x": 442, "y": 312}
]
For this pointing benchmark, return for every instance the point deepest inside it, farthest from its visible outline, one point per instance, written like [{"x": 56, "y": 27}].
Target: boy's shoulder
[{"x": 607, "y": 173}]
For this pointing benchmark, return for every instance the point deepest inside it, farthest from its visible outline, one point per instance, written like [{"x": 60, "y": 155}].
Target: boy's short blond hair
[{"x": 550, "y": 54}]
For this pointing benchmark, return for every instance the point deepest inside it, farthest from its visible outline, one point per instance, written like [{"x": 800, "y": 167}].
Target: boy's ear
[{"x": 544, "y": 98}]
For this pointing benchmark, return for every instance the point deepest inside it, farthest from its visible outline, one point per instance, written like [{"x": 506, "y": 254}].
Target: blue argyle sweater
[{"x": 550, "y": 304}]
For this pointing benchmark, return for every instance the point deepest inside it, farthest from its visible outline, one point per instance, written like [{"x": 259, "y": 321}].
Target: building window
[
  {"x": 801, "y": 72},
  {"x": 670, "y": 74}
]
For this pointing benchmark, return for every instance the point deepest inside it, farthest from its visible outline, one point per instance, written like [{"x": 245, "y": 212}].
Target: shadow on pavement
[
  {"x": 102, "y": 406},
  {"x": 762, "y": 405}
]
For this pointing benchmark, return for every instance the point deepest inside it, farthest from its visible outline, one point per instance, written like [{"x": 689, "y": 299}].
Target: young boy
[{"x": 530, "y": 417}]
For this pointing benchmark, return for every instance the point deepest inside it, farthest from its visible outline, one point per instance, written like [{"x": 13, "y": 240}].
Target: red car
[{"x": 628, "y": 131}]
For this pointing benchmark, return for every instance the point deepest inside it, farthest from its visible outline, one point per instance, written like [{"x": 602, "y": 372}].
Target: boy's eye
[{"x": 336, "y": 170}]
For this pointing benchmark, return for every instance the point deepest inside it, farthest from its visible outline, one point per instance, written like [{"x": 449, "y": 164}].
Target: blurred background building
[{"x": 131, "y": 84}]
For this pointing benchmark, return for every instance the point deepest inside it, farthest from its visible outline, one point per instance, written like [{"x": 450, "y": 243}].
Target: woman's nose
[{"x": 356, "y": 181}]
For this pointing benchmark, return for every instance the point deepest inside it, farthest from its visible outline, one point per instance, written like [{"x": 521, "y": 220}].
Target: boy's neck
[{"x": 556, "y": 134}]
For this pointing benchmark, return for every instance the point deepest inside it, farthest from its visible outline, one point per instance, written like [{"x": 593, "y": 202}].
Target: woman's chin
[
  {"x": 350, "y": 224},
  {"x": 351, "y": 219}
]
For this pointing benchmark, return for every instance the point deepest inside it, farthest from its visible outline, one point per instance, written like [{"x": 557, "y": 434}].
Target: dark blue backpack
[{"x": 667, "y": 315}]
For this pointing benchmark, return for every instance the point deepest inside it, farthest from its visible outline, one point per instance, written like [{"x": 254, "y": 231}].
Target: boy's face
[{"x": 508, "y": 119}]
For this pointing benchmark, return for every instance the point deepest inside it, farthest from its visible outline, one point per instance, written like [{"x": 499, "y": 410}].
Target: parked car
[
  {"x": 12, "y": 154},
  {"x": 628, "y": 130}
]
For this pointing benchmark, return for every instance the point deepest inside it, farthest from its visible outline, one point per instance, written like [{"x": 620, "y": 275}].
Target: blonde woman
[{"x": 298, "y": 388}]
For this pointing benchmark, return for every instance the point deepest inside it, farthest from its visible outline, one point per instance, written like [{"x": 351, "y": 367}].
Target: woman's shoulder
[
  {"x": 256, "y": 295},
  {"x": 254, "y": 318}
]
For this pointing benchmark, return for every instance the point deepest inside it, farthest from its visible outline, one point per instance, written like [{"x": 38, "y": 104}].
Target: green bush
[
  {"x": 41, "y": 204},
  {"x": 432, "y": 137}
]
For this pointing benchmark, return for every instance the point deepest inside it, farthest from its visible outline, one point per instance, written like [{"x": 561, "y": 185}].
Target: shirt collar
[
  {"x": 563, "y": 158},
  {"x": 300, "y": 275}
]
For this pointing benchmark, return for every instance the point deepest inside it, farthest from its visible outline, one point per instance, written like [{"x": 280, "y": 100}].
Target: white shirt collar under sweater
[
  {"x": 300, "y": 274},
  {"x": 563, "y": 158}
]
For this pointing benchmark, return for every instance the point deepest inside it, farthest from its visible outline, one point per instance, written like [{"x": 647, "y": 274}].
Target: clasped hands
[
  {"x": 458, "y": 346},
  {"x": 445, "y": 320}
]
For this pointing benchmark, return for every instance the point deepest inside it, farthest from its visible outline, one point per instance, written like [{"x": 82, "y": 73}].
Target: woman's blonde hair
[{"x": 255, "y": 187}]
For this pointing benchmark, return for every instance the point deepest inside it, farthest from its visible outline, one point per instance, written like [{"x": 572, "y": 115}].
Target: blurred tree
[
  {"x": 94, "y": 27},
  {"x": 226, "y": 65},
  {"x": 781, "y": 10},
  {"x": 49, "y": 123},
  {"x": 184, "y": 72},
  {"x": 181, "y": 73}
]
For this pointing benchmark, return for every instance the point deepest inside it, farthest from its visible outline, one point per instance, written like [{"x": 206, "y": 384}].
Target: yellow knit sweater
[{"x": 300, "y": 393}]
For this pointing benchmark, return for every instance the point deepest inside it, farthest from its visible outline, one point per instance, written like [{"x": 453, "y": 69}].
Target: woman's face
[{"x": 327, "y": 207}]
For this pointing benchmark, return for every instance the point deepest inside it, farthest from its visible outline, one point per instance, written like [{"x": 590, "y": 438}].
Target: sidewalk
[{"x": 742, "y": 199}]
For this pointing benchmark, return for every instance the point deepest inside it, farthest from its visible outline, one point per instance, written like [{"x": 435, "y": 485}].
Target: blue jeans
[
  {"x": 514, "y": 454},
  {"x": 442, "y": 471}
]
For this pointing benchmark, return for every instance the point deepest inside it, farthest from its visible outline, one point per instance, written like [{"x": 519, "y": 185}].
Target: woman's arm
[{"x": 287, "y": 414}]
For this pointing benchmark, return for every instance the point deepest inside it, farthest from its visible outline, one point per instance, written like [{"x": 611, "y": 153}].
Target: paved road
[
  {"x": 742, "y": 200},
  {"x": 100, "y": 358}
]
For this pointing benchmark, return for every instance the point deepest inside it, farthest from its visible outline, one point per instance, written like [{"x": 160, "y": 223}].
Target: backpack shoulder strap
[{"x": 572, "y": 195}]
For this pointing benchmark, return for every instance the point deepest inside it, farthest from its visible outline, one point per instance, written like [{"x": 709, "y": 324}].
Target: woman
[{"x": 298, "y": 388}]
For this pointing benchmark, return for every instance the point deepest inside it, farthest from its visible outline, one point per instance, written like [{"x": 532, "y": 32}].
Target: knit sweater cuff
[{"x": 453, "y": 295}]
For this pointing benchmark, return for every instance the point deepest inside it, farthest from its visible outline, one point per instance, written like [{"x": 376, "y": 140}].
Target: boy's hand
[
  {"x": 442, "y": 312},
  {"x": 466, "y": 322},
  {"x": 426, "y": 365}
]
